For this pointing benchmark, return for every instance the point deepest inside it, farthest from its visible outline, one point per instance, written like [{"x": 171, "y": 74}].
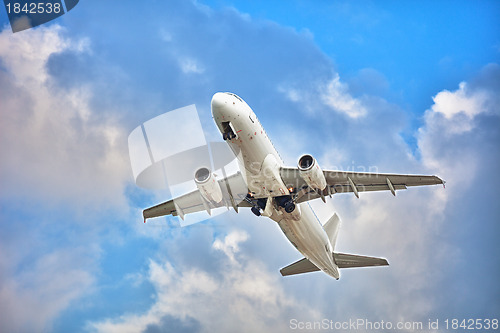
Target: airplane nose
[{"x": 219, "y": 100}]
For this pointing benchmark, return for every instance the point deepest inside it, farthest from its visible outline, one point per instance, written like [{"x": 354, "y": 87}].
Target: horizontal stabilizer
[
  {"x": 351, "y": 261},
  {"x": 342, "y": 260},
  {"x": 299, "y": 267}
]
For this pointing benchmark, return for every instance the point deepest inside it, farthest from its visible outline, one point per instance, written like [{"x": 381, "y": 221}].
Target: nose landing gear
[
  {"x": 228, "y": 131},
  {"x": 228, "y": 136}
]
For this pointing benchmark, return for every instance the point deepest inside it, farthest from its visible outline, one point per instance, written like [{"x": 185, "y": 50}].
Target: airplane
[{"x": 280, "y": 192}]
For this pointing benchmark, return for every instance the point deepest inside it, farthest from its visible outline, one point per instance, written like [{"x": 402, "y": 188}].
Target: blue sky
[{"x": 400, "y": 87}]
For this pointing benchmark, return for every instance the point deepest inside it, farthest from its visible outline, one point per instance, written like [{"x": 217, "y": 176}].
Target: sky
[{"x": 385, "y": 86}]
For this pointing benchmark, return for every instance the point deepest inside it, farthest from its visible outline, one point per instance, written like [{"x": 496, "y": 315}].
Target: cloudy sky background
[{"x": 404, "y": 88}]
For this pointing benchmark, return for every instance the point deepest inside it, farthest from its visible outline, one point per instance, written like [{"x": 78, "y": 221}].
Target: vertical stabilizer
[{"x": 332, "y": 227}]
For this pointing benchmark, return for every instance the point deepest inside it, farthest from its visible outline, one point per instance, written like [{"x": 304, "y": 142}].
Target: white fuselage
[{"x": 261, "y": 163}]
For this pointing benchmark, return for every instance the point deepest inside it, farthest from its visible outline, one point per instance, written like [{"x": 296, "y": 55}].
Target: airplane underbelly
[{"x": 308, "y": 236}]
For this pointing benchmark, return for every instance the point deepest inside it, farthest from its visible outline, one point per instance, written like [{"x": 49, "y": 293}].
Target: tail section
[
  {"x": 342, "y": 260},
  {"x": 332, "y": 227}
]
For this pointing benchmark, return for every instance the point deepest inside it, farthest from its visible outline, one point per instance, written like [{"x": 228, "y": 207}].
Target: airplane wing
[
  {"x": 233, "y": 189},
  {"x": 347, "y": 181}
]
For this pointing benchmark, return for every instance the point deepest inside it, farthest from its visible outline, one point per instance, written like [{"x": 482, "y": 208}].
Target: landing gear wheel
[
  {"x": 256, "y": 211},
  {"x": 289, "y": 207}
]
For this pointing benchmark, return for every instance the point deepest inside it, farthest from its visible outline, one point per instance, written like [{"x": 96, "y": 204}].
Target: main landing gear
[
  {"x": 259, "y": 205},
  {"x": 256, "y": 211},
  {"x": 286, "y": 202},
  {"x": 289, "y": 206}
]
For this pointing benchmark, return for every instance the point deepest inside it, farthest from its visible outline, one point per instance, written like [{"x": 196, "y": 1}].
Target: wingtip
[{"x": 443, "y": 182}]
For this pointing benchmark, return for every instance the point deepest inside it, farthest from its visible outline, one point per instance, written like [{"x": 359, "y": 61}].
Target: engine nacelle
[
  {"x": 207, "y": 185},
  {"x": 312, "y": 174}
]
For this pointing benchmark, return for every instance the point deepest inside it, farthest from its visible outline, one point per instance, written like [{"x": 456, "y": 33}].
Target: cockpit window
[{"x": 236, "y": 96}]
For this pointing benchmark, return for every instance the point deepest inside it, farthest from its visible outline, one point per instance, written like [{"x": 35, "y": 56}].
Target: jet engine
[
  {"x": 207, "y": 185},
  {"x": 312, "y": 174}
]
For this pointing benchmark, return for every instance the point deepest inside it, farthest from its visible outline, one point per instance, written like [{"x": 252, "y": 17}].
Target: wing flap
[
  {"x": 345, "y": 260},
  {"x": 311, "y": 194},
  {"x": 299, "y": 267}
]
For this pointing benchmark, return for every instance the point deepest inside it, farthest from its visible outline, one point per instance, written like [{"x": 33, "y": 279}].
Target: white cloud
[
  {"x": 53, "y": 141},
  {"x": 40, "y": 292},
  {"x": 451, "y": 138},
  {"x": 58, "y": 154},
  {"x": 243, "y": 297},
  {"x": 336, "y": 96},
  {"x": 333, "y": 94},
  {"x": 230, "y": 243},
  {"x": 25, "y": 54},
  {"x": 452, "y": 103},
  {"x": 459, "y": 107}
]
